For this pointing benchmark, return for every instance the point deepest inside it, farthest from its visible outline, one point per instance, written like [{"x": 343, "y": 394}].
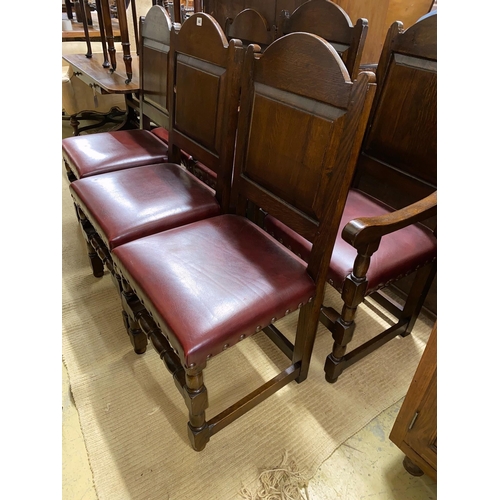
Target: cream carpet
[{"x": 134, "y": 420}]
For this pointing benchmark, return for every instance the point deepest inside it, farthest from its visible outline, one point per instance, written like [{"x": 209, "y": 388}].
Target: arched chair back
[
  {"x": 250, "y": 27},
  {"x": 329, "y": 21},
  {"x": 154, "y": 48}
]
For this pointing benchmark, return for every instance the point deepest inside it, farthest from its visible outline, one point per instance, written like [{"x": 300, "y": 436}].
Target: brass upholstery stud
[
  {"x": 273, "y": 320},
  {"x": 300, "y": 305},
  {"x": 258, "y": 329},
  {"x": 225, "y": 347},
  {"x": 287, "y": 312},
  {"x": 209, "y": 356},
  {"x": 242, "y": 336}
]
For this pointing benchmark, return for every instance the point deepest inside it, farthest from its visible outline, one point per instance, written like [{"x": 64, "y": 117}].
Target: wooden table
[
  {"x": 104, "y": 81},
  {"x": 77, "y": 34},
  {"x": 90, "y": 70}
]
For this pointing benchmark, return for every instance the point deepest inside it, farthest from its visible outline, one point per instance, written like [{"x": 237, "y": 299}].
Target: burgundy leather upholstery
[
  {"x": 161, "y": 133},
  {"x": 92, "y": 154},
  {"x": 399, "y": 253},
  {"x": 132, "y": 203},
  {"x": 214, "y": 282}
]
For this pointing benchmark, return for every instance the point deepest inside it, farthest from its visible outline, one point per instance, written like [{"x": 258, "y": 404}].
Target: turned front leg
[
  {"x": 195, "y": 395},
  {"x": 353, "y": 293},
  {"x": 87, "y": 230},
  {"x": 131, "y": 306}
]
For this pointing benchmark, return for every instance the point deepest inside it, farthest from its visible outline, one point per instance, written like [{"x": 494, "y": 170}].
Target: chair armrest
[{"x": 368, "y": 230}]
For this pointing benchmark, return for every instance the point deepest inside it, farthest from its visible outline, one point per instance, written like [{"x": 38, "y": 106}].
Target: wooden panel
[
  {"x": 154, "y": 77},
  {"x": 404, "y": 130},
  {"x": 415, "y": 428},
  {"x": 91, "y": 71},
  {"x": 288, "y": 165},
  {"x": 379, "y": 13},
  {"x": 198, "y": 107},
  {"x": 423, "y": 435}
]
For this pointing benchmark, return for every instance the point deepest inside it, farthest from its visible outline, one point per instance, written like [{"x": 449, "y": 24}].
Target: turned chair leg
[
  {"x": 95, "y": 262},
  {"x": 342, "y": 334},
  {"x": 353, "y": 293},
  {"x": 195, "y": 395},
  {"x": 73, "y": 121},
  {"x": 69, "y": 174},
  {"x": 131, "y": 305}
]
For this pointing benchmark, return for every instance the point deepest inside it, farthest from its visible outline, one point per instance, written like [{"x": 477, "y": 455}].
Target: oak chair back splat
[
  {"x": 326, "y": 19},
  {"x": 203, "y": 111},
  {"x": 154, "y": 47},
  {"x": 398, "y": 161},
  {"x": 250, "y": 27}
]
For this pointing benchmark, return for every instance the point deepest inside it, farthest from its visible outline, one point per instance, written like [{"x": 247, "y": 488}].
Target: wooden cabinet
[{"x": 415, "y": 428}]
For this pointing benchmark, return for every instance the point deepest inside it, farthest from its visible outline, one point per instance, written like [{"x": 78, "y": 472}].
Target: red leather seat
[
  {"x": 88, "y": 155},
  {"x": 399, "y": 253},
  {"x": 132, "y": 203},
  {"x": 258, "y": 281}
]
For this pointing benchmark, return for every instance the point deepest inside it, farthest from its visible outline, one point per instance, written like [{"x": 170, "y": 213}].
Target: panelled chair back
[
  {"x": 93, "y": 154},
  {"x": 154, "y": 47},
  {"x": 250, "y": 27},
  {"x": 199, "y": 289},
  {"x": 326, "y": 19},
  {"x": 203, "y": 86},
  {"x": 393, "y": 194}
]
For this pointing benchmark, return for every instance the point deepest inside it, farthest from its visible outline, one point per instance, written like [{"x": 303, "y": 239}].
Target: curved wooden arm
[{"x": 365, "y": 230}]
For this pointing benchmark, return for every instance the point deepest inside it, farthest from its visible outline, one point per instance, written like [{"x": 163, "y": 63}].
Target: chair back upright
[
  {"x": 398, "y": 160},
  {"x": 250, "y": 27},
  {"x": 329, "y": 21},
  {"x": 203, "y": 90},
  {"x": 154, "y": 47},
  {"x": 301, "y": 178}
]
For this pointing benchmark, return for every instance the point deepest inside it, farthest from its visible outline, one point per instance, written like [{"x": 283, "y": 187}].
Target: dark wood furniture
[
  {"x": 154, "y": 50},
  {"x": 326, "y": 19},
  {"x": 104, "y": 82},
  {"x": 380, "y": 15},
  {"x": 393, "y": 192},
  {"x": 112, "y": 27},
  {"x": 108, "y": 151},
  {"x": 250, "y": 26},
  {"x": 77, "y": 34},
  {"x": 203, "y": 86},
  {"x": 415, "y": 428},
  {"x": 91, "y": 73},
  {"x": 199, "y": 289}
]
